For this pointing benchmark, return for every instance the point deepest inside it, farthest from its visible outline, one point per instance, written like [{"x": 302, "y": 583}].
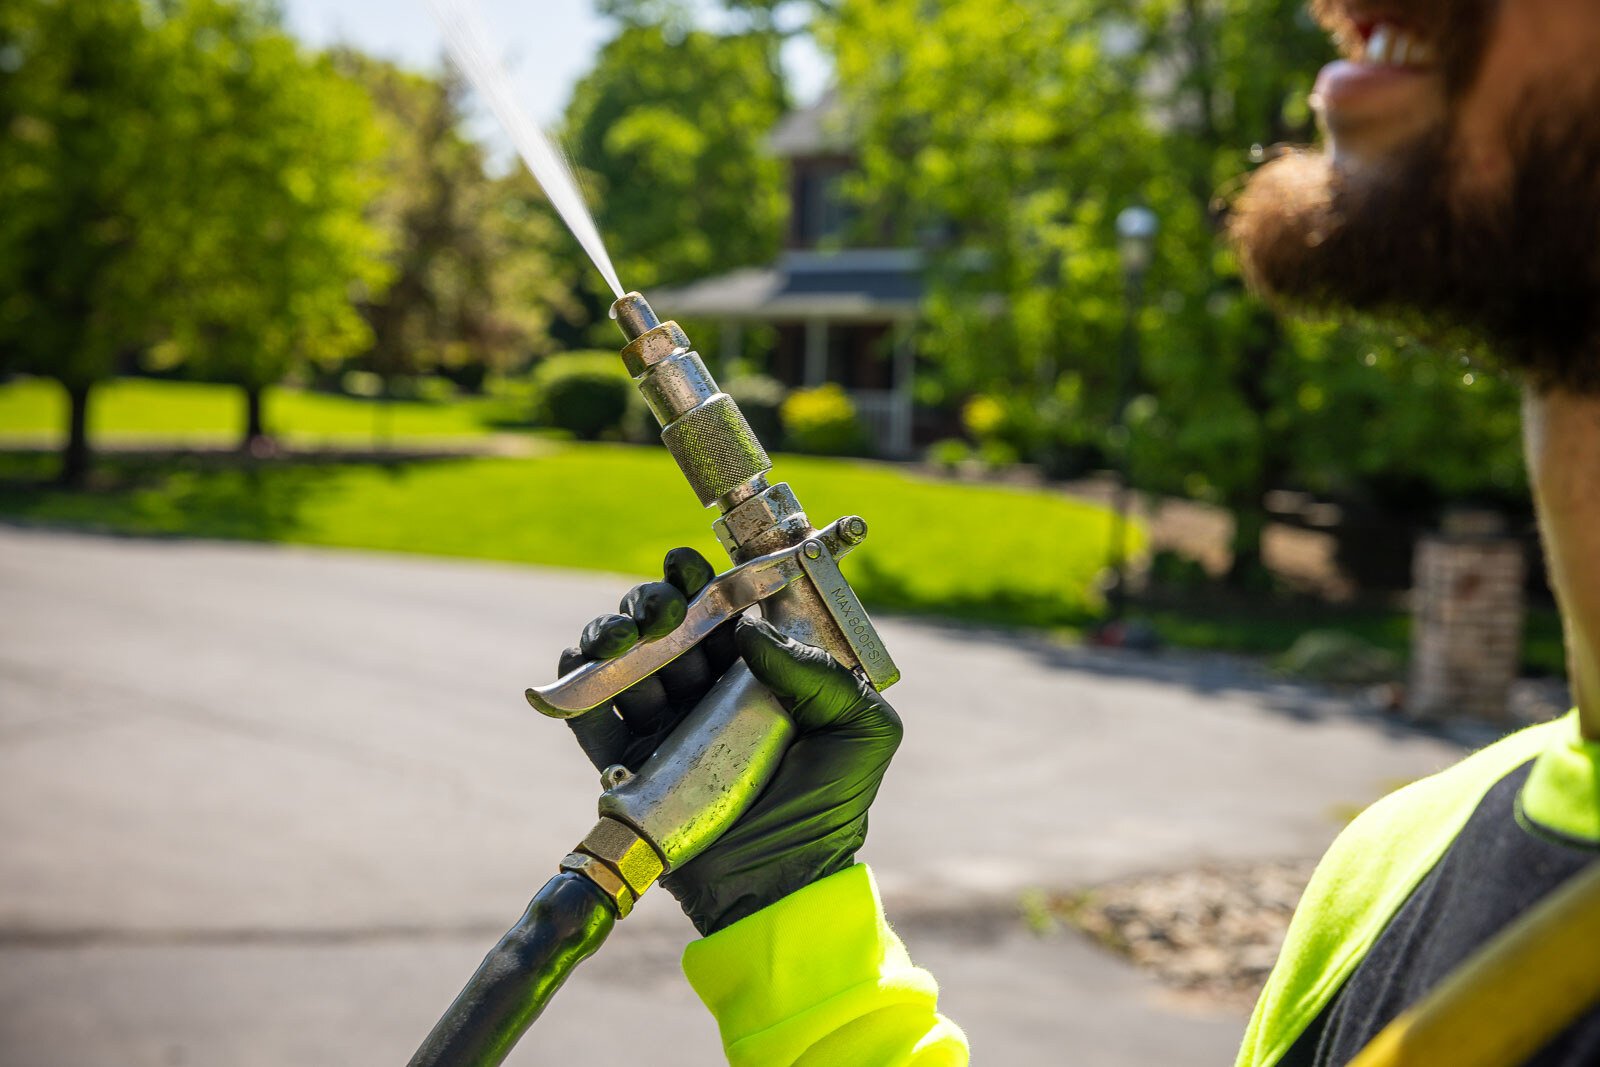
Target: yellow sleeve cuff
[{"x": 819, "y": 977}]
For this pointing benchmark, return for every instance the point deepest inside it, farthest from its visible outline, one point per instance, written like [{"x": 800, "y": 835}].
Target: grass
[
  {"x": 988, "y": 553},
  {"x": 34, "y": 410},
  {"x": 982, "y": 553}
]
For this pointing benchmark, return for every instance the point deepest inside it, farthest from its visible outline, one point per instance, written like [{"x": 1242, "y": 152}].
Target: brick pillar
[{"x": 1466, "y": 636}]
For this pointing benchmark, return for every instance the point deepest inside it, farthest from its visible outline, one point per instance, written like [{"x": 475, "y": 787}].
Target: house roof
[
  {"x": 860, "y": 284},
  {"x": 818, "y": 130}
]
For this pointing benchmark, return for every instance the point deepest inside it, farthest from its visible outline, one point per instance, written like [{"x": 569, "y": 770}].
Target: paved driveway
[{"x": 265, "y": 806}]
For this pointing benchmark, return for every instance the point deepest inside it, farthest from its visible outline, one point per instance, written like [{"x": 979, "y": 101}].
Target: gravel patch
[{"x": 1213, "y": 932}]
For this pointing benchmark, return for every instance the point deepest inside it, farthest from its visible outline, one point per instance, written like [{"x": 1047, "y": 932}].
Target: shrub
[
  {"x": 584, "y": 393},
  {"x": 435, "y": 389},
  {"x": 761, "y": 399},
  {"x": 998, "y": 455},
  {"x": 1005, "y": 428},
  {"x": 948, "y": 454},
  {"x": 984, "y": 417},
  {"x": 639, "y": 425},
  {"x": 361, "y": 383},
  {"x": 517, "y": 392},
  {"x": 823, "y": 422},
  {"x": 1175, "y": 572}
]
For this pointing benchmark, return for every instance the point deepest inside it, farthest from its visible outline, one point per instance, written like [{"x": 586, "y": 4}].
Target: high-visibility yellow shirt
[{"x": 820, "y": 978}]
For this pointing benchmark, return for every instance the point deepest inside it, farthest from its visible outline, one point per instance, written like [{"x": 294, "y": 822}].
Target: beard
[{"x": 1516, "y": 272}]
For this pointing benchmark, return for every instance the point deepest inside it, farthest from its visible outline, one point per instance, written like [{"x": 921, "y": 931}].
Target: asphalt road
[{"x": 263, "y": 805}]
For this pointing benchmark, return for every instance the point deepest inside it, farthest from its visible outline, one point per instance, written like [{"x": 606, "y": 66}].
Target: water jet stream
[{"x": 468, "y": 45}]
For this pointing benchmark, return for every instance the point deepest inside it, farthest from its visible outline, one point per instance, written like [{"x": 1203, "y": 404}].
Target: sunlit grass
[
  {"x": 1019, "y": 556},
  {"x": 34, "y": 410}
]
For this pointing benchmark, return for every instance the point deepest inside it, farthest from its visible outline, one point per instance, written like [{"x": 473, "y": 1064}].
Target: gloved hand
[{"x": 812, "y": 817}]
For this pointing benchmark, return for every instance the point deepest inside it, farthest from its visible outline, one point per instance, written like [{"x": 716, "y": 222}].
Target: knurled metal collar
[{"x": 653, "y": 346}]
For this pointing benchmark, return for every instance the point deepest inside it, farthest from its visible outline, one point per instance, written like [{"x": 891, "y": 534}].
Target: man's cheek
[{"x": 1535, "y": 50}]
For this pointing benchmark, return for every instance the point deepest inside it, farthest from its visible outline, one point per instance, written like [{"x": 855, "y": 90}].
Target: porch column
[
  {"x": 816, "y": 368},
  {"x": 732, "y": 344},
  {"x": 905, "y": 367}
]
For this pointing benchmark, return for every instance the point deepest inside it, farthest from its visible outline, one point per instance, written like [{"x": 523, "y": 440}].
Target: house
[{"x": 841, "y": 314}]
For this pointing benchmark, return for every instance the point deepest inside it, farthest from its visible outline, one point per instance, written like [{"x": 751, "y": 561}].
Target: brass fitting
[
  {"x": 618, "y": 861},
  {"x": 605, "y": 879}
]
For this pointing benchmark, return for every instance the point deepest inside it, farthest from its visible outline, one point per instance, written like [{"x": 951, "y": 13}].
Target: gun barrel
[{"x": 701, "y": 425}]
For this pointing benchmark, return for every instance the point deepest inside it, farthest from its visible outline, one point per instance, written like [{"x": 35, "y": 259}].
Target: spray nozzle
[{"x": 634, "y": 315}]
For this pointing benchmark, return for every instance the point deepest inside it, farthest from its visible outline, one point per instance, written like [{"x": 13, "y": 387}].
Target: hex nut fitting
[
  {"x": 604, "y": 878},
  {"x": 769, "y": 509},
  {"x": 654, "y": 346},
  {"x": 616, "y": 845}
]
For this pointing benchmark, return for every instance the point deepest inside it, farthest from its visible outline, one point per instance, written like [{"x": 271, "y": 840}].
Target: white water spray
[{"x": 469, "y": 48}]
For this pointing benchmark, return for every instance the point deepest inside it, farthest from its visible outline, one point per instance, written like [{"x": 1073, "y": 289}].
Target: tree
[
  {"x": 1016, "y": 133},
  {"x": 272, "y": 174},
  {"x": 85, "y": 251},
  {"x": 1221, "y": 364},
  {"x": 671, "y": 132},
  {"x": 1000, "y": 139},
  {"x": 782, "y": 18},
  {"x": 475, "y": 286}
]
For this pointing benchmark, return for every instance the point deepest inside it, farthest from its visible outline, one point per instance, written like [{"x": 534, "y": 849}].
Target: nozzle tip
[{"x": 634, "y": 315}]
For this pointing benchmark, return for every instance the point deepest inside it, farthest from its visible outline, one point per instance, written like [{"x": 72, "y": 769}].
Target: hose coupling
[{"x": 620, "y": 863}]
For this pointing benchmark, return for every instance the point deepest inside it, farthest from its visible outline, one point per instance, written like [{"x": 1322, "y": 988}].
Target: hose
[{"x": 565, "y": 923}]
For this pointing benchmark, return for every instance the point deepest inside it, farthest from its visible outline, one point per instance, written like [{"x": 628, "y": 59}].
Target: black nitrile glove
[{"x": 810, "y": 819}]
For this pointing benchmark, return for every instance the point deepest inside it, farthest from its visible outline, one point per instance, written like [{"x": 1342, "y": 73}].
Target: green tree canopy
[
  {"x": 272, "y": 182},
  {"x": 181, "y": 175},
  {"x": 86, "y": 247},
  {"x": 671, "y": 133},
  {"x": 475, "y": 286}
]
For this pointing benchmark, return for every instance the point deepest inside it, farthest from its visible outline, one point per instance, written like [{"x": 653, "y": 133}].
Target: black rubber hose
[{"x": 565, "y": 923}]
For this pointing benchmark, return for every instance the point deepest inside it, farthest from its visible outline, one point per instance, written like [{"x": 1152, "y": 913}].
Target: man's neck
[{"x": 1562, "y": 436}]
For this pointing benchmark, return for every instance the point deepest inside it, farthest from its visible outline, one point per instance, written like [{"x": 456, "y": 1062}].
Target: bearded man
[{"x": 1458, "y": 189}]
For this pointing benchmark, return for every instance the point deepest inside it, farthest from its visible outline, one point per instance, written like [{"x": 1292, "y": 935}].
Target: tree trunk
[
  {"x": 383, "y": 418},
  {"x": 1249, "y": 523},
  {"x": 1253, "y": 374},
  {"x": 255, "y": 434},
  {"x": 76, "y": 456}
]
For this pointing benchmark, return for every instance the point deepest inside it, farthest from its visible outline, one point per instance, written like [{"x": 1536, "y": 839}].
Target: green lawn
[
  {"x": 35, "y": 410},
  {"x": 980, "y": 552},
  {"x": 958, "y": 550}
]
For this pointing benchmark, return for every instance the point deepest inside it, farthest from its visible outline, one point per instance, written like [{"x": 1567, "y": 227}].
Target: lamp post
[{"x": 1136, "y": 234}]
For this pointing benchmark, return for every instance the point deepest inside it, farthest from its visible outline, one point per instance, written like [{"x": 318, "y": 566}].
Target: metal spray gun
[{"x": 719, "y": 759}]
